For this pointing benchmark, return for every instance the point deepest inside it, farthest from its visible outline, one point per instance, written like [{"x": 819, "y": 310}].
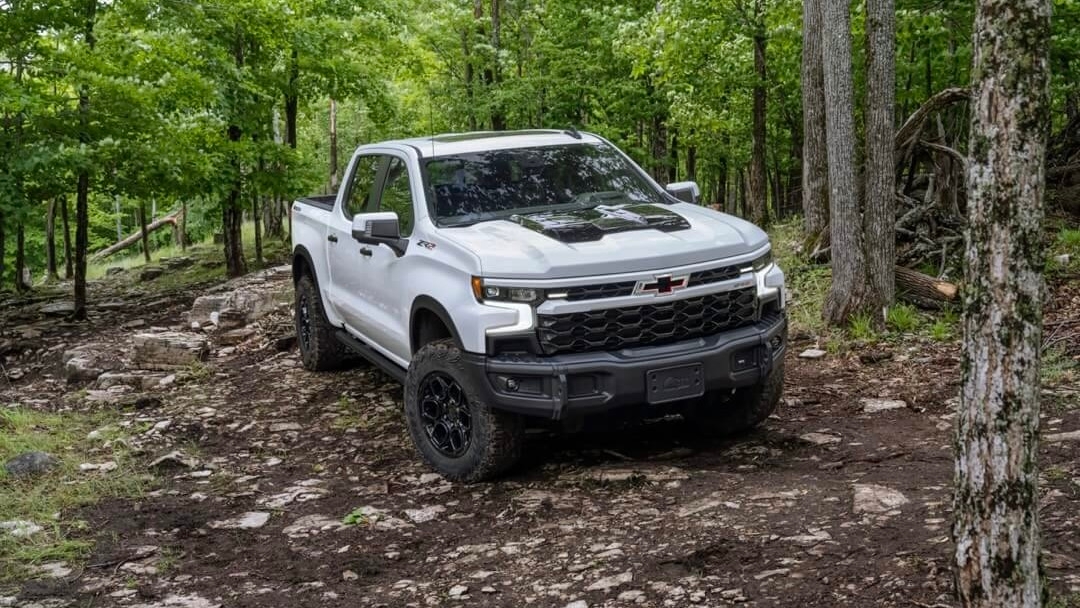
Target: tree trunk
[
  {"x": 82, "y": 189},
  {"x": 20, "y": 258},
  {"x": 815, "y": 166},
  {"x": 848, "y": 293},
  {"x": 923, "y": 290},
  {"x": 659, "y": 148},
  {"x": 879, "y": 218},
  {"x": 232, "y": 212},
  {"x": 50, "y": 241},
  {"x": 68, "y": 262},
  {"x": 673, "y": 158},
  {"x": 333, "y": 148},
  {"x": 144, "y": 234},
  {"x": 3, "y": 245},
  {"x": 759, "y": 209},
  {"x": 257, "y": 219},
  {"x": 470, "y": 76},
  {"x": 498, "y": 118},
  {"x": 182, "y": 227},
  {"x": 292, "y": 98},
  {"x": 169, "y": 220},
  {"x": 691, "y": 163},
  {"x": 996, "y": 499}
]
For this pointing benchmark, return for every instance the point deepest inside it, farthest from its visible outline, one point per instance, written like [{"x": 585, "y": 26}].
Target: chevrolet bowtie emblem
[{"x": 662, "y": 285}]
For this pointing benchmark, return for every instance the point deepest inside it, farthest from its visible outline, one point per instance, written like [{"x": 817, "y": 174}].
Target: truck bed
[{"x": 322, "y": 202}]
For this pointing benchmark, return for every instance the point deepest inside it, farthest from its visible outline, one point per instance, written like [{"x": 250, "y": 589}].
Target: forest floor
[{"x": 288, "y": 488}]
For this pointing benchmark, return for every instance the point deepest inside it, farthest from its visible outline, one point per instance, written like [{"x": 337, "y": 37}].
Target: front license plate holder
[{"x": 674, "y": 383}]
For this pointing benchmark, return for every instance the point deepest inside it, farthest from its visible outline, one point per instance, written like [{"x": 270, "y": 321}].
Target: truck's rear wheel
[
  {"x": 319, "y": 350},
  {"x": 457, "y": 434},
  {"x": 728, "y": 413}
]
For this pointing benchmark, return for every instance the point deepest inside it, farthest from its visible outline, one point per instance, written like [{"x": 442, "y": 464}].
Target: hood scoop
[{"x": 592, "y": 224}]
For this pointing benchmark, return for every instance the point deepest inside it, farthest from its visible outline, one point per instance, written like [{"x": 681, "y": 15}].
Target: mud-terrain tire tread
[
  {"x": 498, "y": 438},
  {"x": 742, "y": 411},
  {"x": 325, "y": 352}
]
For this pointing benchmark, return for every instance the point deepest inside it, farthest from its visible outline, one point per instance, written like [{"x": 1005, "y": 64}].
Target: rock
[
  {"x": 349, "y": 575},
  {"x": 457, "y": 591},
  {"x": 820, "y": 438},
  {"x": 281, "y": 427},
  {"x": 87, "y": 362},
  {"x": 178, "y": 263},
  {"x": 247, "y": 521},
  {"x": 1063, "y": 259},
  {"x": 150, "y": 273},
  {"x": 173, "y": 461},
  {"x": 631, "y": 596},
  {"x": 699, "y": 506},
  {"x": 812, "y": 353},
  {"x": 58, "y": 309},
  {"x": 20, "y": 528},
  {"x": 615, "y": 474},
  {"x": 577, "y": 604},
  {"x": 54, "y": 570},
  {"x": 236, "y": 336},
  {"x": 875, "y": 357},
  {"x": 425, "y": 514},
  {"x": 303, "y": 491},
  {"x": 15, "y": 374},
  {"x": 230, "y": 319},
  {"x": 873, "y": 406},
  {"x": 105, "y": 467},
  {"x": 137, "y": 380},
  {"x": 611, "y": 582},
  {"x": 169, "y": 350},
  {"x": 31, "y": 464},
  {"x": 180, "y": 601},
  {"x": 870, "y": 498},
  {"x": 312, "y": 524},
  {"x": 112, "y": 271},
  {"x": 813, "y": 537},
  {"x": 488, "y": 589},
  {"x": 249, "y": 304},
  {"x": 1059, "y": 437}
]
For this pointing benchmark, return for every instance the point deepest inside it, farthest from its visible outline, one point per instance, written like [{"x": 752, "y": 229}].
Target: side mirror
[
  {"x": 379, "y": 229},
  {"x": 684, "y": 191}
]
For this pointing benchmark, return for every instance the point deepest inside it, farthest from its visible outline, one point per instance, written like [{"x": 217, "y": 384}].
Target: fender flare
[
  {"x": 425, "y": 303},
  {"x": 301, "y": 256}
]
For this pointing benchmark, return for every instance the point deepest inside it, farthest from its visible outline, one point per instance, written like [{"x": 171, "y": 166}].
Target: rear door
[{"x": 348, "y": 272}]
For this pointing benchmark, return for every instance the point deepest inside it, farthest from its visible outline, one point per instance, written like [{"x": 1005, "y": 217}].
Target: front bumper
[{"x": 572, "y": 385}]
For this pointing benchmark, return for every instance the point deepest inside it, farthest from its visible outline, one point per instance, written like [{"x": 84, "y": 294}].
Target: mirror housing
[
  {"x": 688, "y": 192},
  {"x": 379, "y": 229}
]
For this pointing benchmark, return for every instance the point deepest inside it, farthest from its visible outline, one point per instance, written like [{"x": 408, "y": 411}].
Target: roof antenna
[{"x": 572, "y": 132}]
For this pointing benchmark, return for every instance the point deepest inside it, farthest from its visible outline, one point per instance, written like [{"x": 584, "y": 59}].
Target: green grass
[
  {"x": 902, "y": 318},
  {"x": 806, "y": 282},
  {"x": 1058, "y": 368},
  {"x": 862, "y": 328},
  {"x": 52, "y": 501},
  {"x": 1066, "y": 242}
]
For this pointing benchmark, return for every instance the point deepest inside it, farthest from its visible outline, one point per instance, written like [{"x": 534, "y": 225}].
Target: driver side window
[
  {"x": 360, "y": 196},
  {"x": 397, "y": 194}
]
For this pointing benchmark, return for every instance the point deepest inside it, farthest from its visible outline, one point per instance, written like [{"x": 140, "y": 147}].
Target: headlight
[
  {"x": 524, "y": 295},
  {"x": 761, "y": 262}
]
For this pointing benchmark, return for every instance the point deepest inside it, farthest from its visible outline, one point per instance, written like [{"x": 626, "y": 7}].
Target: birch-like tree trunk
[
  {"x": 879, "y": 217},
  {"x": 848, "y": 293},
  {"x": 996, "y": 516},
  {"x": 815, "y": 165}
]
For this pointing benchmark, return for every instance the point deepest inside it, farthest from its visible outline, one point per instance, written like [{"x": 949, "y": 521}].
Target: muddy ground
[{"x": 302, "y": 489}]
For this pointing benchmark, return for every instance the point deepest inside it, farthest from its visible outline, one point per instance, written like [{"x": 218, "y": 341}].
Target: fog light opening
[{"x": 512, "y": 385}]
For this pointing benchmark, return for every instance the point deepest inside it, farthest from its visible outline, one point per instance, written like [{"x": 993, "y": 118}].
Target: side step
[{"x": 375, "y": 357}]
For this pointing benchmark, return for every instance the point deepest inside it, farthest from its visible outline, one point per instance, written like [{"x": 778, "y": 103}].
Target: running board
[{"x": 375, "y": 357}]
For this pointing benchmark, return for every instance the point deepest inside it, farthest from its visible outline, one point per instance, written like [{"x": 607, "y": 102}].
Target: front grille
[
  {"x": 626, "y": 288},
  {"x": 603, "y": 290},
  {"x": 650, "y": 324}
]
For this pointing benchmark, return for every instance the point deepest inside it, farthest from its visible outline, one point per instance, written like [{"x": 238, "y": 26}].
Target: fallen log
[
  {"x": 924, "y": 290},
  {"x": 172, "y": 219}
]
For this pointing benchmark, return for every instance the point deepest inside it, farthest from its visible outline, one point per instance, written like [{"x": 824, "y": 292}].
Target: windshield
[{"x": 495, "y": 184}]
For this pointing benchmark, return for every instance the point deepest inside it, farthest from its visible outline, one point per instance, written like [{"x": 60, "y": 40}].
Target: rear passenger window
[{"x": 360, "y": 192}]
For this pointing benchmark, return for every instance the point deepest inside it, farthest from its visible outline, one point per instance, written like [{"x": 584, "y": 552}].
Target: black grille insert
[
  {"x": 626, "y": 288},
  {"x": 649, "y": 324}
]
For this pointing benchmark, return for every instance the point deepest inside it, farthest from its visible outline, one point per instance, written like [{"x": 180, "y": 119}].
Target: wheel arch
[
  {"x": 303, "y": 264},
  {"x": 424, "y": 310}
]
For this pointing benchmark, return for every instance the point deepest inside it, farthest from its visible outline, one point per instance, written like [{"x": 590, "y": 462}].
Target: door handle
[
  {"x": 332, "y": 238},
  {"x": 364, "y": 251}
]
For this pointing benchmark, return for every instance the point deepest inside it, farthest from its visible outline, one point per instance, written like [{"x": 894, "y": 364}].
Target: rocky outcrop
[{"x": 169, "y": 350}]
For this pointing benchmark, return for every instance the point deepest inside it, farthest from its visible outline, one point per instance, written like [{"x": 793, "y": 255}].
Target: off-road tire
[
  {"x": 497, "y": 438},
  {"x": 726, "y": 413},
  {"x": 319, "y": 349}
]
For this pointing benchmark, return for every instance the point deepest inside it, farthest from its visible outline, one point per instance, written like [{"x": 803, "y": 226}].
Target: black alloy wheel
[{"x": 445, "y": 414}]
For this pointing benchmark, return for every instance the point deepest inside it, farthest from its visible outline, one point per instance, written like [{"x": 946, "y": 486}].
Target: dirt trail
[{"x": 828, "y": 505}]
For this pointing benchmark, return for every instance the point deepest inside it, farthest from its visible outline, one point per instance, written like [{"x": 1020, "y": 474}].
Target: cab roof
[{"x": 465, "y": 143}]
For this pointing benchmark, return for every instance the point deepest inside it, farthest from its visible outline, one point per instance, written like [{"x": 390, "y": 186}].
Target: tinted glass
[
  {"x": 397, "y": 195},
  {"x": 493, "y": 184},
  {"x": 363, "y": 181}
]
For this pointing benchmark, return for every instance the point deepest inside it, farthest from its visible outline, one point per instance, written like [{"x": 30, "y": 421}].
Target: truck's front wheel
[
  {"x": 319, "y": 350},
  {"x": 746, "y": 408},
  {"x": 454, "y": 431}
]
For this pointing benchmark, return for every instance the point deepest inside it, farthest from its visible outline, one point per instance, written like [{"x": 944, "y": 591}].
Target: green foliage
[
  {"x": 357, "y": 518},
  {"x": 862, "y": 328},
  {"x": 902, "y": 318}
]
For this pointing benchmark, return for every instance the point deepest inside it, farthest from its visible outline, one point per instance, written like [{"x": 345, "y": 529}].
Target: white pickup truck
[{"x": 522, "y": 278}]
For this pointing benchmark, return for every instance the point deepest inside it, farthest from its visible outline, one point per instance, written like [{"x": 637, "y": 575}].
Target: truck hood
[{"x": 605, "y": 240}]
